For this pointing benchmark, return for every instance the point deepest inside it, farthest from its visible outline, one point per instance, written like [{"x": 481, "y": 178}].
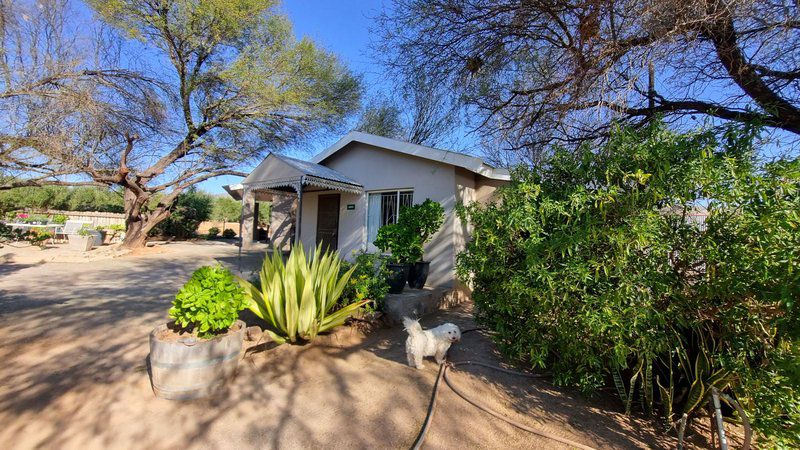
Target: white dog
[{"x": 434, "y": 342}]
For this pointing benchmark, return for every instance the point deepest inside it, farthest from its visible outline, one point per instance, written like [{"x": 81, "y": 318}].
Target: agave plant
[{"x": 296, "y": 297}]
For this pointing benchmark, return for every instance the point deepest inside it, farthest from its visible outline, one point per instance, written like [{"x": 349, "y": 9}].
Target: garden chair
[{"x": 70, "y": 227}]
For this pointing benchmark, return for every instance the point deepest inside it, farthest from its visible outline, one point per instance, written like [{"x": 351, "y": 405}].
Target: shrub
[
  {"x": 84, "y": 231},
  {"x": 401, "y": 242},
  {"x": 368, "y": 281},
  {"x": 228, "y": 233},
  {"x": 37, "y": 237},
  {"x": 596, "y": 268},
  {"x": 415, "y": 226},
  {"x": 209, "y": 303},
  {"x": 191, "y": 208},
  {"x": 423, "y": 219},
  {"x": 297, "y": 298},
  {"x": 59, "y": 218},
  {"x": 213, "y": 232},
  {"x": 6, "y": 233}
]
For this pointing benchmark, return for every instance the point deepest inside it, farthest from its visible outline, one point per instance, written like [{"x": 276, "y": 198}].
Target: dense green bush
[
  {"x": 209, "y": 303},
  {"x": 415, "y": 227},
  {"x": 368, "y": 281},
  {"x": 598, "y": 268},
  {"x": 213, "y": 232},
  {"x": 228, "y": 233},
  {"x": 191, "y": 208}
]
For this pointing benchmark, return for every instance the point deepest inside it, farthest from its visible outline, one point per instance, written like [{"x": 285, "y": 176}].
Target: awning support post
[{"x": 299, "y": 219}]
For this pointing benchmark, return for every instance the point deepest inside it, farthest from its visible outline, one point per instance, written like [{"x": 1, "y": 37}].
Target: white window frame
[{"x": 370, "y": 247}]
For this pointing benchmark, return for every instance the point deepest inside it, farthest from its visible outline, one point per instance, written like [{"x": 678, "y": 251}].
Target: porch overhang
[{"x": 281, "y": 175}]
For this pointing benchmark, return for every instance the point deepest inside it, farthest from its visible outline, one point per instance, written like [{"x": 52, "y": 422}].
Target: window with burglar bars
[{"x": 384, "y": 208}]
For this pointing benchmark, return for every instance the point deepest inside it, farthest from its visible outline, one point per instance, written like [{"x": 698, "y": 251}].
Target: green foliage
[
  {"x": 597, "y": 268},
  {"x": 209, "y": 303},
  {"x": 84, "y": 231},
  {"x": 59, "y": 218},
  {"x": 297, "y": 298},
  {"x": 423, "y": 219},
  {"x": 399, "y": 241},
  {"x": 61, "y": 198},
  {"x": 37, "y": 237},
  {"x": 213, "y": 232},
  {"x": 6, "y": 233},
  {"x": 228, "y": 233},
  {"x": 415, "y": 226},
  {"x": 368, "y": 281},
  {"x": 226, "y": 209},
  {"x": 244, "y": 53},
  {"x": 191, "y": 208},
  {"x": 94, "y": 199}
]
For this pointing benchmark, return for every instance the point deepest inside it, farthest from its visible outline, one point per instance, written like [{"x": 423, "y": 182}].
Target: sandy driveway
[{"x": 73, "y": 374}]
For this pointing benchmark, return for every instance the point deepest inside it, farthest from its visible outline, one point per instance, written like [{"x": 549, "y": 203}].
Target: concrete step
[{"x": 415, "y": 303}]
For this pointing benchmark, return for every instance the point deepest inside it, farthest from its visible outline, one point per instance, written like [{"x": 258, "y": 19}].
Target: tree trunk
[{"x": 138, "y": 224}]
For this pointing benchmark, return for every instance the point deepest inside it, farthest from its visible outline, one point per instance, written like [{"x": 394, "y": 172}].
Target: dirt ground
[{"x": 74, "y": 375}]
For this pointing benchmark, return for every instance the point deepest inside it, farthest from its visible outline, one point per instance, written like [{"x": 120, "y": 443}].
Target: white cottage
[{"x": 346, "y": 193}]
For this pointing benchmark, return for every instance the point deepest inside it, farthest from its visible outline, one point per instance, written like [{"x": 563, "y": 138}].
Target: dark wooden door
[{"x": 328, "y": 221}]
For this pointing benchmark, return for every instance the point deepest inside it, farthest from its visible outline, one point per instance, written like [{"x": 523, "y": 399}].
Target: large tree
[
  {"x": 233, "y": 82},
  {"x": 542, "y": 71},
  {"x": 61, "y": 91}
]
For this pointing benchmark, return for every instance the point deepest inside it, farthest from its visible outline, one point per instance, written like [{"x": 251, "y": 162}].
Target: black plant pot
[
  {"x": 398, "y": 274},
  {"x": 418, "y": 274}
]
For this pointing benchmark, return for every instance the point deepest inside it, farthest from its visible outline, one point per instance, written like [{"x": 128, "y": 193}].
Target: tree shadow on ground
[{"x": 75, "y": 375}]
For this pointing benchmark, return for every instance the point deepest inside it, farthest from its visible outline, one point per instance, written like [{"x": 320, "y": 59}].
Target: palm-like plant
[{"x": 296, "y": 297}]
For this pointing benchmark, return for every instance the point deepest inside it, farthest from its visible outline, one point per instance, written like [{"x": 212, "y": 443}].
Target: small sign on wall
[{"x": 351, "y": 206}]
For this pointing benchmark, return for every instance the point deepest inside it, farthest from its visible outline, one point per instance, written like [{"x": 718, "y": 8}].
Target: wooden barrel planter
[{"x": 193, "y": 368}]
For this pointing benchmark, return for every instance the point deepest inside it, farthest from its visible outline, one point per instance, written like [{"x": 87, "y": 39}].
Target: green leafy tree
[
  {"x": 668, "y": 263},
  {"x": 191, "y": 208},
  {"x": 228, "y": 80},
  {"x": 226, "y": 209},
  {"x": 244, "y": 84}
]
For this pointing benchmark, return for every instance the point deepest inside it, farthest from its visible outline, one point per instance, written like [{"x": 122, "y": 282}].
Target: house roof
[
  {"x": 471, "y": 163},
  {"x": 279, "y": 172}
]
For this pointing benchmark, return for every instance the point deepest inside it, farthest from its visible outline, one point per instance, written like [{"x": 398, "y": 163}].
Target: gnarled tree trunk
[{"x": 137, "y": 222}]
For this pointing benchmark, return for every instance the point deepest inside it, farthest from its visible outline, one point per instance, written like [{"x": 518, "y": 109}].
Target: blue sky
[{"x": 341, "y": 26}]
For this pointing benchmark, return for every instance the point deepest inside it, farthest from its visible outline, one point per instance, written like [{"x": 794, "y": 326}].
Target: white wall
[
  {"x": 378, "y": 169},
  {"x": 351, "y": 223}
]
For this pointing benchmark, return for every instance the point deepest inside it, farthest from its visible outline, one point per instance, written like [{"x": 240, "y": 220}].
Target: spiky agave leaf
[{"x": 296, "y": 296}]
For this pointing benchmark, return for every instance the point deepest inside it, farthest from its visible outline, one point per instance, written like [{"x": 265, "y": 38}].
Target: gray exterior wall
[{"x": 378, "y": 170}]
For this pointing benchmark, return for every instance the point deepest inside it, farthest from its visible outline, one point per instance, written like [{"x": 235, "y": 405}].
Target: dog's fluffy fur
[{"x": 434, "y": 342}]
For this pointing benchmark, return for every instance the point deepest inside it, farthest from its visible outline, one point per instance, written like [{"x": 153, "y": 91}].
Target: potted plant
[
  {"x": 400, "y": 242},
  {"x": 82, "y": 241},
  {"x": 101, "y": 231},
  {"x": 421, "y": 221},
  {"x": 116, "y": 232},
  {"x": 199, "y": 350}
]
